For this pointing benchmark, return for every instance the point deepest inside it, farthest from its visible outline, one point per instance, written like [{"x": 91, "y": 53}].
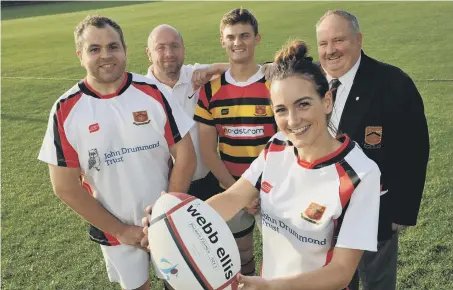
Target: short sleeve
[
  {"x": 255, "y": 171},
  {"x": 202, "y": 112},
  {"x": 56, "y": 149},
  {"x": 359, "y": 229}
]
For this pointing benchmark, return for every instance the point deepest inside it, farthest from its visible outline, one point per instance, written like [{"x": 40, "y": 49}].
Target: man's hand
[
  {"x": 201, "y": 76},
  {"x": 145, "y": 222},
  {"x": 131, "y": 235},
  {"x": 253, "y": 207},
  {"x": 268, "y": 69},
  {"x": 397, "y": 228}
]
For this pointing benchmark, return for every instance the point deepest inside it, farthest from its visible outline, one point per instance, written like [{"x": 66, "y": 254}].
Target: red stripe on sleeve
[
  {"x": 273, "y": 148},
  {"x": 112, "y": 240},
  {"x": 276, "y": 148},
  {"x": 346, "y": 185},
  {"x": 69, "y": 154}
]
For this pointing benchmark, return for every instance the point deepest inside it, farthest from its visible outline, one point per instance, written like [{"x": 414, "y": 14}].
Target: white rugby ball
[{"x": 191, "y": 245}]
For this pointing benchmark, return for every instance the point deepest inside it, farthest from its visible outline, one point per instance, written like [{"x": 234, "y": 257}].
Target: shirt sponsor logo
[
  {"x": 141, "y": 118},
  {"x": 93, "y": 127},
  {"x": 266, "y": 187},
  {"x": 283, "y": 228},
  {"x": 313, "y": 213},
  {"x": 243, "y": 131},
  {"x": 117, "y": 156},
  {"x": 224, "y": 112},
  {"x": 260, "y": 110},
  {"x": 93, "y": 159}
]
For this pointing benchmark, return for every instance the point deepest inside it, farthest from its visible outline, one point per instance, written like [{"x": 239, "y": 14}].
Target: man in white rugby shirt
[
  {"x": 180, "y": 83},
  {"x": 108, "y": 142}
]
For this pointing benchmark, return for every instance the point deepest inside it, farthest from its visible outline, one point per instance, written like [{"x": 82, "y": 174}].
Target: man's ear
[
  {"x": 148, "y": 53},
  {"x": 328, "y": 102},
  {"x": 359, "y": 38},
  {"x": 79, "y": 55},
  {"x": 257, "y": 39}
]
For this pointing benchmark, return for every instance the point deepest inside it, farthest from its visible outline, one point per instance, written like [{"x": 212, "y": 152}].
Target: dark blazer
[{"x": 384, "y": 114}]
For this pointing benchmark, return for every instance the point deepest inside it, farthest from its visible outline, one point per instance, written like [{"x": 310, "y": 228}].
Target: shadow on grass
[{"x": 50, "y": 8}]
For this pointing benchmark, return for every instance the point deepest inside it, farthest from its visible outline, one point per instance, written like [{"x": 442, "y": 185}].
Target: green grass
[
  {"x": 45, "y": 244},
  {"x": 16, "y": 12}
]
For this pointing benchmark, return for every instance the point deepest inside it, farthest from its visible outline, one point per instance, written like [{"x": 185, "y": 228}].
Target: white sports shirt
[
  {"x": 308, "y": 209},
  {"x": 186, "y": 97},
  {"x": 120, "y": 142}
]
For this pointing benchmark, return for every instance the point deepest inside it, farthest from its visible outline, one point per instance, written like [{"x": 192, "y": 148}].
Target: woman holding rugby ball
[{"x": 319, "y": 194}]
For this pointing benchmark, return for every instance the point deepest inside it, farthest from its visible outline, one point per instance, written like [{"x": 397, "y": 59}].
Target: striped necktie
[{"x": 335, "y": 84}]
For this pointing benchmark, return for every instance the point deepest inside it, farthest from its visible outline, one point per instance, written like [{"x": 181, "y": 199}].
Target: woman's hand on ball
[{"x": 253, "y": 283}]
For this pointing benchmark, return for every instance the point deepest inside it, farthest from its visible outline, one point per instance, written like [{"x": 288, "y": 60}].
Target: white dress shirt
[
  {"x": 184, "y": 95},
  {"x": 342, "y": 93}
]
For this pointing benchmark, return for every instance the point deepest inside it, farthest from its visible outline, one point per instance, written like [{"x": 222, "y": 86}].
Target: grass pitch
[{"x": 45, "y": 244}]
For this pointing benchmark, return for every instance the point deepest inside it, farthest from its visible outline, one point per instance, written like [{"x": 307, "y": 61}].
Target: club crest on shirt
[
  {"x": 313, "y": 213},
  {"x": 93, "y": 159},
  {"x": 141, "y": 118},
  {"x": 373, "y": 137},
  {"x": 260, "y": 110}
]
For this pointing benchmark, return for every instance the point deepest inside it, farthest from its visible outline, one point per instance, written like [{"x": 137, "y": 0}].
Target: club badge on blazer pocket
[{"x": 373, "y": 137}]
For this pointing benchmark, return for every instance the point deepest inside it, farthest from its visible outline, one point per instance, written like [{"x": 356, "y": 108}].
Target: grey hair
[{"x": 353, "y": 22}]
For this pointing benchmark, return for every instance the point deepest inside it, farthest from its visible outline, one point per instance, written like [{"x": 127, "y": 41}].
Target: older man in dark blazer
[{"x": 379, "y": 107}]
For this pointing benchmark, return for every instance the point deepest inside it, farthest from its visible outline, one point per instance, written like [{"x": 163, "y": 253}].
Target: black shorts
[
  {"x": 205, "y": 187},
  {"x": 241, "y": 224}
]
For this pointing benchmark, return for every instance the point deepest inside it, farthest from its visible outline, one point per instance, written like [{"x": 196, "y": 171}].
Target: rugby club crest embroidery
[
  {"x": 260, "y": 110},
  {"x": 141, "y": 118},
  {"x": 313, "y": 213},
  {"x": 373, "y": 136}
]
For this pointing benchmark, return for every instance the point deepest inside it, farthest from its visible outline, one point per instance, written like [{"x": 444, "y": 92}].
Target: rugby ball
[{"x": 191, "y": 245}]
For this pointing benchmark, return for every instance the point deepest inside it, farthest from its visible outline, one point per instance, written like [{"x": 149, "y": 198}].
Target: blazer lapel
[{"x": 359, "y": 99}]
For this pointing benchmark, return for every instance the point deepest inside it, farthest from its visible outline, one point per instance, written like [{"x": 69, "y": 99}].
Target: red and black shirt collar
[
  {"x": 88, "y": 90},
  {"x": 332, "y": 158}
]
